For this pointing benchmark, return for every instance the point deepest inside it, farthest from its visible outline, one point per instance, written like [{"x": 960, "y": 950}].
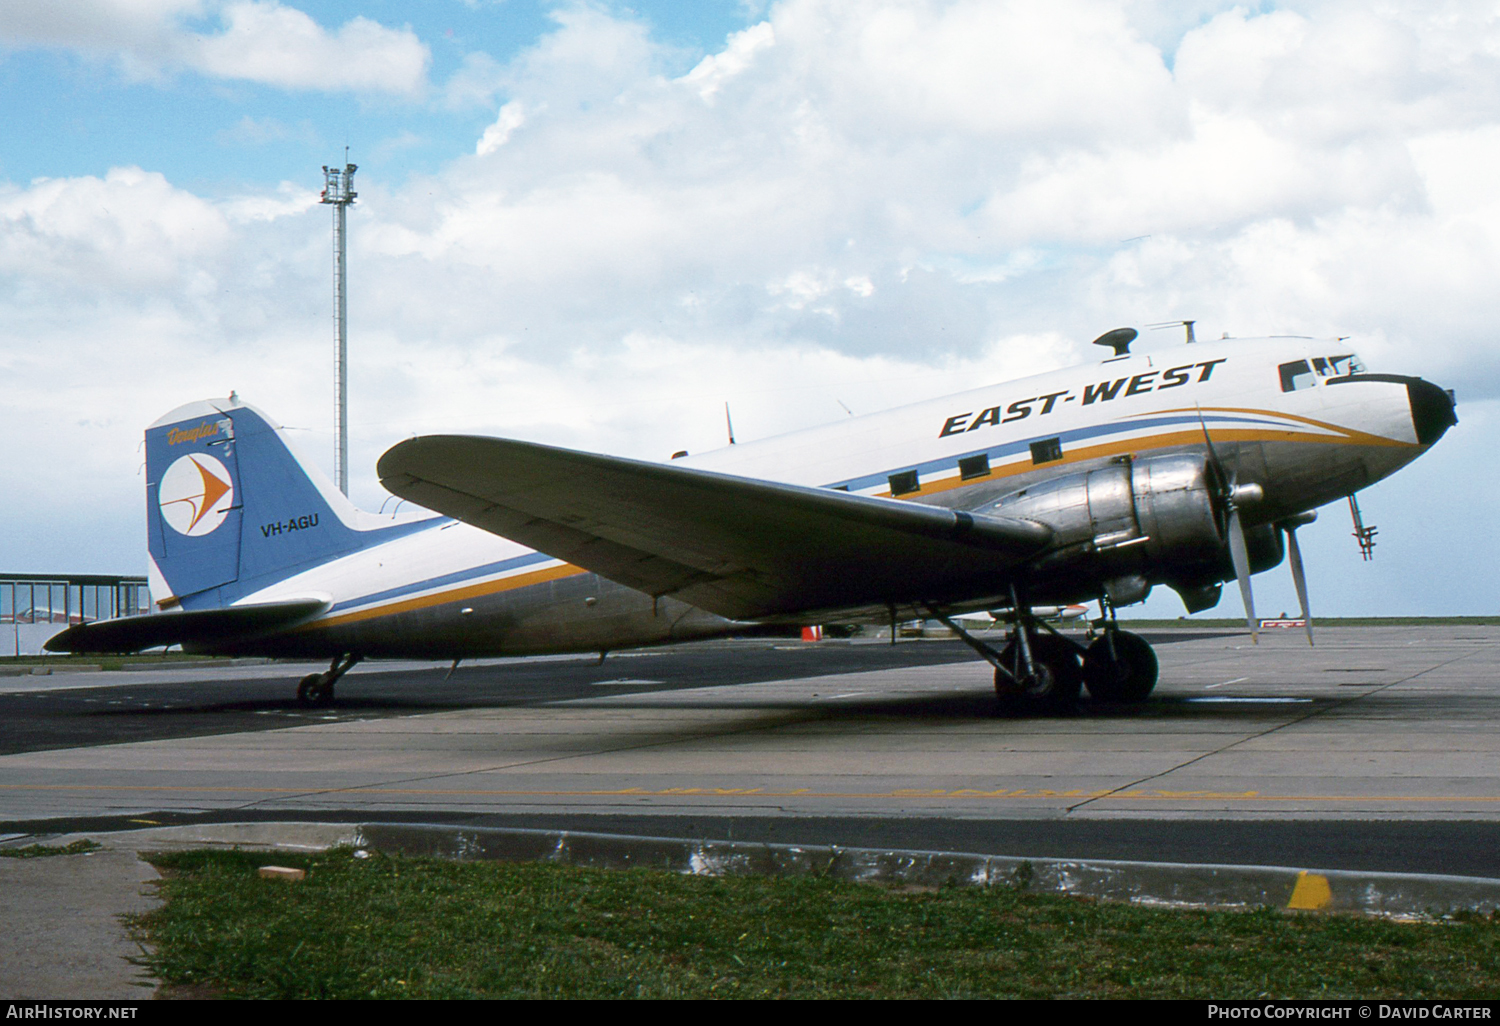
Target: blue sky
[
  {"x": 71, "y": 111},
  {"x": 591, "y": 224}
]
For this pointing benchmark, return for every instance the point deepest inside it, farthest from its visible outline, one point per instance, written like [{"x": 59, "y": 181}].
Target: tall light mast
[{"x": 338, "y": 189}]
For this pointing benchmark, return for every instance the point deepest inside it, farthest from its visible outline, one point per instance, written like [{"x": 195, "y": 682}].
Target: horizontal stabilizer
[
  {"x": 197, "y": 629},
  {"x": 740, "y": 547}
]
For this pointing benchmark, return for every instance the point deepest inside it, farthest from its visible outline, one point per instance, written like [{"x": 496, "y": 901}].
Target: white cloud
[
  {"x": 259, "y": 41},
  {"x": 265, "y": 42},
  {"x": 129, "y": 229},
  {"x": 92, "y": 24},
  {"x": 884, "y": 201},
  {"x": 512, "y": 116},
  {"x": 973, "y": 168},
  {"x": 288, "y": 199},
  {"x": 739, "y": 53},
  {"x": 475, "y": 83}
]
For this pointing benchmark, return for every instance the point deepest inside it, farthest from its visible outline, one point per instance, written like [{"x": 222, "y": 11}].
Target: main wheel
[
  {"x": 1054, "y": 685},
  {"x": 1126, "y": 675}
]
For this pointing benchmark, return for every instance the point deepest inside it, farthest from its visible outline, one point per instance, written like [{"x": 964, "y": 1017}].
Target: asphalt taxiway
[{"x": 1375, "y": 750}]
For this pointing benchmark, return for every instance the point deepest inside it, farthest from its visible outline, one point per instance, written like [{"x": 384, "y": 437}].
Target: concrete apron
[{"x": 63, "y": 938}]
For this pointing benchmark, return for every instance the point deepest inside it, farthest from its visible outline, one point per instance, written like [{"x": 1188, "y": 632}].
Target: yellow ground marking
[
  {"x": 1312, "y": 892},
  {"x": 1003, "y": 793}
]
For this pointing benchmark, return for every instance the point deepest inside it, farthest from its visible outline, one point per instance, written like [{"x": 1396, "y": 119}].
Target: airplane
[{"x": 1188, "y": 468}]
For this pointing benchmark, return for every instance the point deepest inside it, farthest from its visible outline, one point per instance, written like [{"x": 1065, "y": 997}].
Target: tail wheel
[
  {"x": 313, "y": 691},
  {"x": 1054, "y": 685},
  {"x": 1125, "y": 675}
]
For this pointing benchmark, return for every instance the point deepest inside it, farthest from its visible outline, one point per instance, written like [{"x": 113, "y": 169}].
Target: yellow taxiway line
[{"x": 963, "y": 793}]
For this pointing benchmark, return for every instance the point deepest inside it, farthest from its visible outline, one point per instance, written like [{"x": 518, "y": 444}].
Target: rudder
[{"x": 231, "y": 508}]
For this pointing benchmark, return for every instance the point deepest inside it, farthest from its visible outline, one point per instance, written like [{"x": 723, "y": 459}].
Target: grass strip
[
  {"x": 386, "y": 926},
  {"x": 41, "y": 851}
]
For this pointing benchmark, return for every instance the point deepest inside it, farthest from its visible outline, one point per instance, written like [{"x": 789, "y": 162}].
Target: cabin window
[
  {"x": 971, "y": 467},
  {"x": 1297, "y": 375},
  {"x": 1046, "y": 451},
  {"x": 904, "y": 483}
]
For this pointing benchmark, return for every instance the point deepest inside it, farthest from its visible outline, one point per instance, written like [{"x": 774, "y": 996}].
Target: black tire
[
  {"x": 1058, "y": 680},
  {"x": 315, "y": 689},
  {"x": 309, "y": 688},
  {"x": 1127, "y": 676}
]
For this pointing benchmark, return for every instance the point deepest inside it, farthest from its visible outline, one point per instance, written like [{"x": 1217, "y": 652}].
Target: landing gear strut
[
  {"x": 1051, "y": 686},
  {"x": 1037, "y": 672},
  {"x": 317, "y": 688},
  {"x": 1041, "y": 672}
]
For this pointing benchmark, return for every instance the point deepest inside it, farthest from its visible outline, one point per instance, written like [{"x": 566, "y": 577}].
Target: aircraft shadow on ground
[
  {"x": 289, "y": 706},
  {"x": 981, "y": 705},
  {"x": 977, "y": 704}
]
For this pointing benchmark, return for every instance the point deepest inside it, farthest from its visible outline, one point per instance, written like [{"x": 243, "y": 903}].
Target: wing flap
[
  {"x": 203, "y": 628},
  {"x": 740, "y": 547}
]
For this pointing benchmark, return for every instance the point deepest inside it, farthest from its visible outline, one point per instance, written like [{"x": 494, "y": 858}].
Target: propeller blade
[
  {"x": 1240, "y": 556},
  {"x": 1213, "y": 454},
  {"x": 1294, "y": 554}
]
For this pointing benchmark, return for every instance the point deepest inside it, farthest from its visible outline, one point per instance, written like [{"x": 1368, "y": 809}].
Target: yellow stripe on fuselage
[
  {"x": 453, "y": 595},
  {"x": 1349, "y": 434},
  {"x": 1346, "y": 436}
]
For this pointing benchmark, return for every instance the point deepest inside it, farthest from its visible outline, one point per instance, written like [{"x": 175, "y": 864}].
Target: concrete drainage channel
[{"x": 1146, "y": 883}]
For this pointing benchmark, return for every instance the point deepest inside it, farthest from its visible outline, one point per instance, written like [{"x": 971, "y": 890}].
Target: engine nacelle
[
  {"x": 1158, "y": 518},
  {"x": 1200, "y": 590}
]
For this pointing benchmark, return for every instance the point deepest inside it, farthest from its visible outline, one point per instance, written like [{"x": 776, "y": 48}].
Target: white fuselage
[{"x": 453, "y": 589}]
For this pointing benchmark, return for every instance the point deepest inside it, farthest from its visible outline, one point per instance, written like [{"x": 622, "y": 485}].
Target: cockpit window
[
  {"x": 1346, "y": 364},
  {"x": 1297, "y": 375}
]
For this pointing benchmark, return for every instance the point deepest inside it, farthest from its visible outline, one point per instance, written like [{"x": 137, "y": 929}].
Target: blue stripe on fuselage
[
  {"x": 948, "y": 463},
  {"x": 473, "y": 574}
]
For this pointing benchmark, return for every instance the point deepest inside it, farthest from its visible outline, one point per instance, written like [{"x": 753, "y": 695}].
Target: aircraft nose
[{"x": 1432, "y": 411}]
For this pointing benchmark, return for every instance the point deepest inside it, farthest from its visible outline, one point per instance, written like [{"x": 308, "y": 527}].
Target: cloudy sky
[{"x": 592, "y": 224}]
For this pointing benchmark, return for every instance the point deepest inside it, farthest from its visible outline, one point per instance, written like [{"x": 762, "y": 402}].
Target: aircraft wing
[
  {"x": 740, "y": 547},
  {"x": 204, "y": 628}
]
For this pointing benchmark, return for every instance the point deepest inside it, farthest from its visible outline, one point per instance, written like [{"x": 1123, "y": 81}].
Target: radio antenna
[{"x": 1191, "y": 338}]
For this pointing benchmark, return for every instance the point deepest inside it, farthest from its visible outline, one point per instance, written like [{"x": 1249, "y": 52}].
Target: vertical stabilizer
[
  {"x": 231, "y": 508},
  {"x": 193, "y": 511}
]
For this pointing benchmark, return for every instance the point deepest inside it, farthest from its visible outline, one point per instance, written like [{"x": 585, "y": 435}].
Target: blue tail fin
[{"x": 230, "y": 508}]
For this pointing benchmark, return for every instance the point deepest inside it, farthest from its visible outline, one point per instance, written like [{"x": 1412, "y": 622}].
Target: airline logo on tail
[
  {"x": 195, "y": 494},
  {"x": 207, "y": 429}
]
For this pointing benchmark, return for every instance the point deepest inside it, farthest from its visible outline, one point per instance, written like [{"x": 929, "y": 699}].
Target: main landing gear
[
  {"x": 1042, "y": 672},
  {"x": 317, "y": 688}
]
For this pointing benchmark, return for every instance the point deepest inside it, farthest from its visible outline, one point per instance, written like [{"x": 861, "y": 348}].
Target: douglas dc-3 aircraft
[{"x": 1185, "y": 468}]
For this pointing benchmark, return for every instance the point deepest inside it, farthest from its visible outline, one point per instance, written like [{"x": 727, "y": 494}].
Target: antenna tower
[{"x": 338, "y": 190}]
